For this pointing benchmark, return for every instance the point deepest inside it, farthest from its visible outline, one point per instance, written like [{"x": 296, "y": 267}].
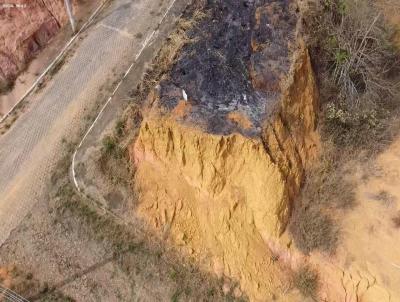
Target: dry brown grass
[
  {"x": 114, "y": 146},
  {"x": 355, "y": 65},
  {"x": 113, "y": 162},
  {"x": 307, "y": 281},
  {"x": 357, "y": 68},
  {"x": 357, "y": 53},
  {"x": 26, "y": 285},
  {"x": 313, "y": 229},
  {"x": 6, "y": 86},
  {"x": 312, "y": 225}
]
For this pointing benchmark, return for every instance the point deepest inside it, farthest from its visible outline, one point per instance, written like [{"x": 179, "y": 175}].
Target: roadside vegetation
[
  {"x": 113, "y": 161},
  {"x": 26, "y": 285},
  {"x": 357, "y": 69}
]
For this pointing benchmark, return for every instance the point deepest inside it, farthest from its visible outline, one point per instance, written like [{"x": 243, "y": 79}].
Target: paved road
[{"x": 31, "y": 148}]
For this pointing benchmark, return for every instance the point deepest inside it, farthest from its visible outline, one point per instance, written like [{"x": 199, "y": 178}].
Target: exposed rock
[
  {"x": 224, "y": 166},
  {"x": 24, "y": 30}
]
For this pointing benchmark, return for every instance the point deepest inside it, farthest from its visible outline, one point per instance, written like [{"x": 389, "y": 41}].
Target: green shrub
[
  {"x": 109, "y": 145},
  {"x": 119, "y": 128}
]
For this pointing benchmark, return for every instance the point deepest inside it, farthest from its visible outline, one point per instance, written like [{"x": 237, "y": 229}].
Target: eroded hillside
[
  {"x": 24, "y": 30},
  {"x": 256, "y": 159},
  {"x": 225, "y": 138},
  {"x": 229, "y": 134}
]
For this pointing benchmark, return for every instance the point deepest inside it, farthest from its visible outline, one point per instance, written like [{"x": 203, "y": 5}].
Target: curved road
[{"x": 32, "y": 147}]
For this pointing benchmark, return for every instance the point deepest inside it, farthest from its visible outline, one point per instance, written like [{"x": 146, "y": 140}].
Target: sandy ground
[
  {"x": 44, "y": 58},
  {"x": 371, "y": 230},
  {"x": 366, "y": 265}
]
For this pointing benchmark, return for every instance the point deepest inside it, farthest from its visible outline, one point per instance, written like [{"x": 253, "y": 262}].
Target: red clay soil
[{"x": 26, "y": 28}]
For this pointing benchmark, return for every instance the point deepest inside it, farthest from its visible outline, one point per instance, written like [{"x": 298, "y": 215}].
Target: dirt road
[{"x": 31, "y": 148}]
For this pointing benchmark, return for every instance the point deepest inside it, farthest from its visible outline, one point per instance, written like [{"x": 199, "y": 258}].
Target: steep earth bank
[
  {"x": 24, "y": 30},
  {"x": 225, "y": 139}
]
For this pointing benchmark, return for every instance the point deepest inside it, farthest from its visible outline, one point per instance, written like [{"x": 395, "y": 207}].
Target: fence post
[{"x": 68, "y": 7}]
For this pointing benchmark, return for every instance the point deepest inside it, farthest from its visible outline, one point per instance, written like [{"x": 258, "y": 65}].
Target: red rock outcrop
[{"x": 26, "y": 26}]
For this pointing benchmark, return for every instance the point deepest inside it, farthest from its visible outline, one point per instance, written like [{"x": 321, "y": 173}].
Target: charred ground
[{"x": 238, "y": 55}]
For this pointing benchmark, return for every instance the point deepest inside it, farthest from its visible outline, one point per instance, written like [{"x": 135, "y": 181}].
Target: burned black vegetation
[{"x": 238, "y": 55}]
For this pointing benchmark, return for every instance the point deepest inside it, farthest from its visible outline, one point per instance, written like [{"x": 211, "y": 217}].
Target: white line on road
[
  {"x": 11, "y": 295},
  {"x": 145, "y": 44}
]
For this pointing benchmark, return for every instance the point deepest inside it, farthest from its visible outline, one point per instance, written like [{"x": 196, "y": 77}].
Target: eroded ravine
[{"x": 225, "y": 140}]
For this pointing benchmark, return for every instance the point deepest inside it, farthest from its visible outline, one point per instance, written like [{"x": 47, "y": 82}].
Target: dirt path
[{"x": 30, "y": 149}]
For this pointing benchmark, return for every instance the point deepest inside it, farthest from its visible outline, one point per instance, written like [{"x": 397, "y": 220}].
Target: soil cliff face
[
  {"x": 225, "y": 138},
  {"x": 24, "y": 30}
]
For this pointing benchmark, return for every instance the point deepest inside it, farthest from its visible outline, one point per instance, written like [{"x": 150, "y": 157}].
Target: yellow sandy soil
[
  {"x": 226, "y": 199},
  {"x": 366, "y": 267}
]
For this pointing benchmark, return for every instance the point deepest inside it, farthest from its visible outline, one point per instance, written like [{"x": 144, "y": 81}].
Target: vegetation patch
[
  {"x": 110, "y": 146},
  {"x": 113, "y": 161},
  {"x": 168, "y": 54},
  {"x": 312, "y": 226},
  {"x": 357, "y": 68},
  {"x": 26, "y": 285},
  {"x": 313, "y": 229},
  {"x": 306, "y": 280},
  {"x": 6, "y": 86},
  {"x": 358, "y": 75}
]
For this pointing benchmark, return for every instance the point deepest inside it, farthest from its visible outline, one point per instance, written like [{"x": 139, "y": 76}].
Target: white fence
[{"x": 7, "y": 295}]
